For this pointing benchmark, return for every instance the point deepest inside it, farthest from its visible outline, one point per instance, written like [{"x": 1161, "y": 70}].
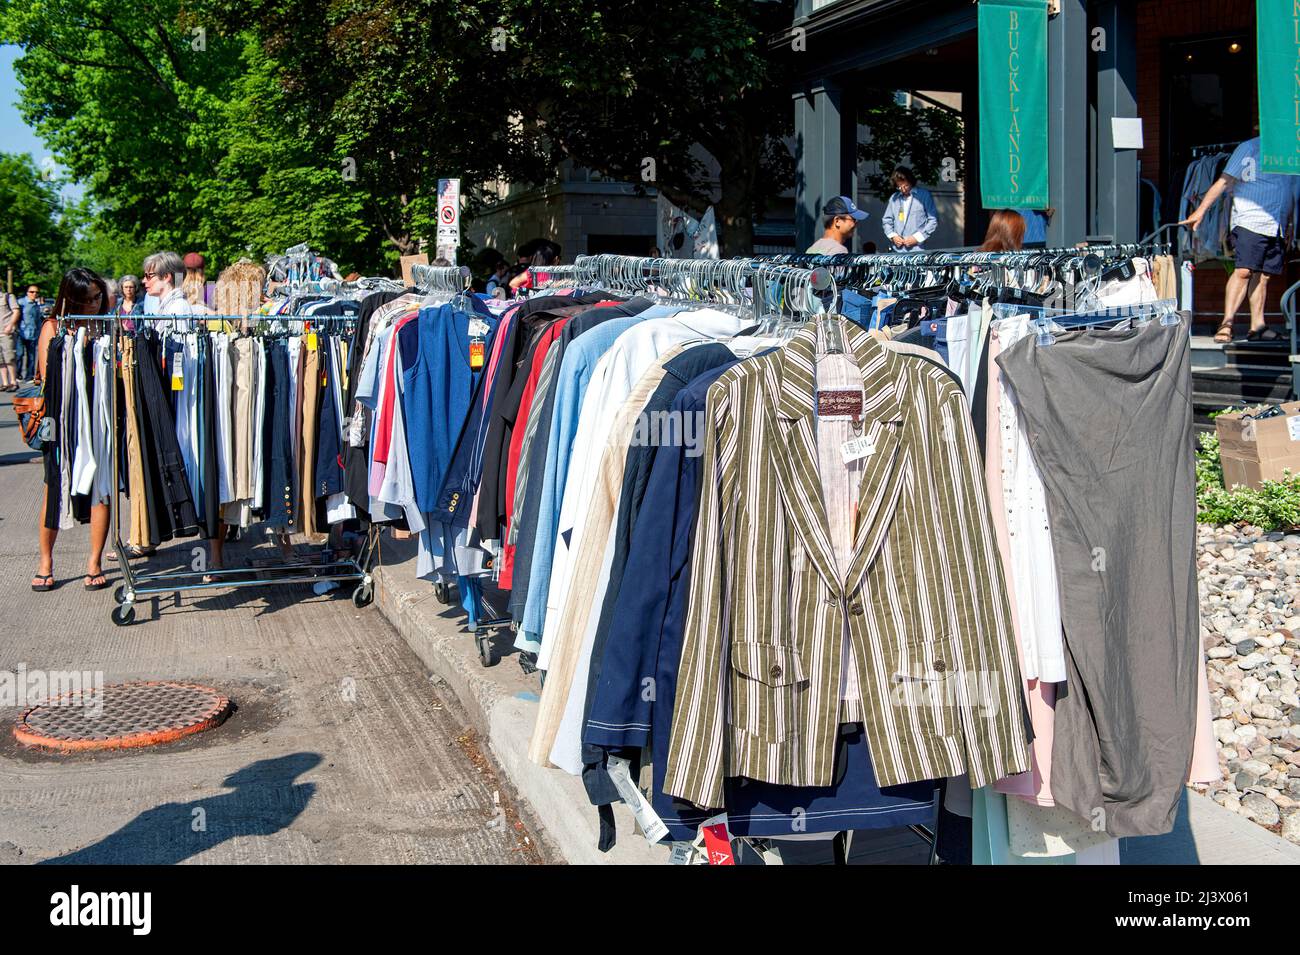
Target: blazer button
[
  {"x": 940, "y": 666},
  {"x": 775, "y": 672},
  {"x": 856, "y": 610}
]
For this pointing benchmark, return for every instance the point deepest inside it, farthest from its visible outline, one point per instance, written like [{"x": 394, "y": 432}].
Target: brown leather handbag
[{"x": 29, "y": 403}]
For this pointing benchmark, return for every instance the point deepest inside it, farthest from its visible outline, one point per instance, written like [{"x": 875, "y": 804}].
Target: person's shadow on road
[{"x": 265, "y": 799}]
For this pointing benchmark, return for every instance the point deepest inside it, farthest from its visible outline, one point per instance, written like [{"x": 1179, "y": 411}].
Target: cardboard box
[
  {"x": 1257, "y": 450},
  {"x": 408, "y": 261}
]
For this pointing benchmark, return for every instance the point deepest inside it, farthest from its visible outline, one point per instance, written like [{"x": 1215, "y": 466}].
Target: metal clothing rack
[
  {"x": 136, "y": 584},
  {"x": 1023, "y": 258},
  {"x": 768, "y": 289},
  {"x": 441, "y": 278},
  {"x": 1210, "y": 149}
]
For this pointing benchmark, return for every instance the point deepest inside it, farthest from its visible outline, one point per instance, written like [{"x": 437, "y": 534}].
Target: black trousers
[{"x": 171, "y": 509}]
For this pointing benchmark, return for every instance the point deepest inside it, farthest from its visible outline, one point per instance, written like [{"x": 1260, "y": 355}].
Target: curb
[{"x": 502, "y": 706}]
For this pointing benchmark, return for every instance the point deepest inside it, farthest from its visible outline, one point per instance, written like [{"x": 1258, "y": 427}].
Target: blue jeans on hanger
[{"x": 934, "y": 335}]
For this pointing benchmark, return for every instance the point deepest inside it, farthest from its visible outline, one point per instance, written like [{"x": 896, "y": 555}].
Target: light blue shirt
[
  {"x": 1261, "y": 201},
  {"x": 913, "y": 216},
  {"x": 571, "y": 382}
]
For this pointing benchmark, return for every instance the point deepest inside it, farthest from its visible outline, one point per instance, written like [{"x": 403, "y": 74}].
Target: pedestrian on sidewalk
[
  {"x": 32, "y": 314},
  {"x": 9, "y": 318},
  {"x": 81, "y": 292},
  {"x": 1262, "y": 207}
]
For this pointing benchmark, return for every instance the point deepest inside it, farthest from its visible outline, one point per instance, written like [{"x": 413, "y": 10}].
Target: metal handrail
[{"x": 1288, "y": 311}]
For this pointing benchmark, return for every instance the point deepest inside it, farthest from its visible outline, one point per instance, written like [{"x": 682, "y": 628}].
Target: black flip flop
[
  {"x": 48, "y": 585},
  {"x": 1263, "y": 335},
  {"x": 90, "y": 577}
]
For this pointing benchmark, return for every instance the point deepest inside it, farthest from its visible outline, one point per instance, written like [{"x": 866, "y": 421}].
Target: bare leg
[
  {"x": 216, "y": 546},
  {"x": 286, "y": 548},
  {"x": 47, "y": 537},
  {"x": 1234, "y": 294},
  {"x": 98, "y": 537},
  {"x": 1258, "y": 295},
  {"x": 6, "y": 375}
]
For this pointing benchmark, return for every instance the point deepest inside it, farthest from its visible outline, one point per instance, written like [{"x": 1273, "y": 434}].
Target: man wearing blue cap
[{"x": 840, "y": 217}]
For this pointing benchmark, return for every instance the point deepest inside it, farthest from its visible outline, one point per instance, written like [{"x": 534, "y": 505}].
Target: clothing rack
[
  {"x": 136, "y": 584},
  {"x": 760, "y": 284},
  {"x": 441, "y": 278},
  {"x": 767, "y": 288},
  {"x": 1024, "y": 258},
  {"x": 552, "y": 273},
  {"x": 1208, "y": 149}
]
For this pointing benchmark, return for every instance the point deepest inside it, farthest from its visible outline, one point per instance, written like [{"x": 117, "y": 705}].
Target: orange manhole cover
[{"x": 122, "y": 716}]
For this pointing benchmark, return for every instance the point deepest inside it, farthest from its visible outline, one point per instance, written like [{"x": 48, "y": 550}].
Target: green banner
[
  {"x": 1013, "y": 103},
  {"x": 1277, "y": 25}
]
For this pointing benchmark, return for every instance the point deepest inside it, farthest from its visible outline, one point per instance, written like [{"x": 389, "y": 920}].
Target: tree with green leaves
[
  {"x": 677, "y": 98},
  {"x": 182, "y": 132},
  {"x": 35, "y": 231},
  {"x": 502, "y": 90},
  {"x": 231, "y": 126},
  {"x": 917, "y": 137}
]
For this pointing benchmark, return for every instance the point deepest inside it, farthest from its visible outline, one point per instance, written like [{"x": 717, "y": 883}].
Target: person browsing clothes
[{"x": 840, "y": 218}]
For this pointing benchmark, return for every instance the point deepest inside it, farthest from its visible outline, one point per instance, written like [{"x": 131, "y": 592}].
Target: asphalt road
[{"x": 341, "y": 750}]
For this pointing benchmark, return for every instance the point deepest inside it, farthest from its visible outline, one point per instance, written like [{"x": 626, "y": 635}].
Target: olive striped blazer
[{"x": 928, "y": 620}]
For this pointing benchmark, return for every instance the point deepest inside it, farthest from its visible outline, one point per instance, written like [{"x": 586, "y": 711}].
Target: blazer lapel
[{"x": 792, "y": 449}]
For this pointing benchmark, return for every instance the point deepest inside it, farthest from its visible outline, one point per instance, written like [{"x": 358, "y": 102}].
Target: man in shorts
[{"x": 1262, "y": 205}]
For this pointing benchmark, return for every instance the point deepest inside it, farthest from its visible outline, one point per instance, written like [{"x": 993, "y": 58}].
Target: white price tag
[
  {"x": 478, "y": 328},
  {"x": 651, "y": 825},
  {"x": 356, "y": 430},
  {"x": 1293, "y": 427},
  {"x": 682, "y": 854},
  {"x": 856, "y": 448}
]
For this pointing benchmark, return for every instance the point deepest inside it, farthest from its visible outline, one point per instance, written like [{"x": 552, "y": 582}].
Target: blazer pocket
[
  {"x": 768, "y": 684},
  {"x": 926, "y": 680}
]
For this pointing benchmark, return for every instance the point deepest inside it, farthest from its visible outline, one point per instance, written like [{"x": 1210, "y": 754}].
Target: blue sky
[{"x": 15, "y": 135}]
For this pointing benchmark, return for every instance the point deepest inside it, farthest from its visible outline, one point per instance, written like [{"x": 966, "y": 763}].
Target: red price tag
[
  {"x": 717, "y": 844},
  {"x": 476, "y": 352}
]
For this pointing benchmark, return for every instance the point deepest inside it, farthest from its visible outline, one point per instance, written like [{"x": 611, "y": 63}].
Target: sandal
[
  {"x": 91, "y": 578},
  {"x": 1263, "y": 335},
  {"x": 1224, "y": 335},
  {"x": 47, "y": 583}
]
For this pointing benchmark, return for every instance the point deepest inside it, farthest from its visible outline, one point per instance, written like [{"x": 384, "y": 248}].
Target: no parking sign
[{"x": 448, "y": 219}]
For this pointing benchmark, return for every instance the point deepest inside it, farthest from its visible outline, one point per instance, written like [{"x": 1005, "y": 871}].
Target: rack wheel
[
  {"x": 119, "y": 595},
  {"x": 362, "y": 596},
  {"x": 123, "y": 614},
  {"x": 441, "y": 592},
  {"x": 485, "y": 654}
]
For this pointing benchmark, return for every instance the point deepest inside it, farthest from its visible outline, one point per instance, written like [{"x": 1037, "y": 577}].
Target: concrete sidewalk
[
  {"x": 503, "y": 703},
  {"x": 341, "y": 749}
]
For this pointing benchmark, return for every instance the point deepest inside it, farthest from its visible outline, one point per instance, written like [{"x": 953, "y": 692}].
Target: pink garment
[
  {"x": 1040, "y": 697},
  {"x": 841, "y": 490},
  {"x": 1205, "y": 750}
]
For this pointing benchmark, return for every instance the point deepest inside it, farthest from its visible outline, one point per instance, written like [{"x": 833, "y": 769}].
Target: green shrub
[{"x": 1275, "y": 506}]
